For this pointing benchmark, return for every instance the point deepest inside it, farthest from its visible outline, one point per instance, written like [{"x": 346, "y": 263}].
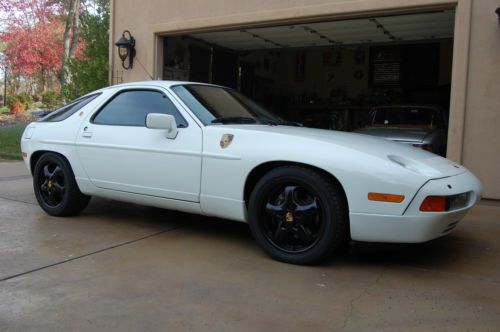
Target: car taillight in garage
[{"x": 427, "y": 147}]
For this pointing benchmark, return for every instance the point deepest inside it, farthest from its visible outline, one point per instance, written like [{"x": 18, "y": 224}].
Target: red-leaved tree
[
  {"x": 31, "y": 49},
  {"x": 27, "y": 13},
  {"x": 34, "y": 33}
]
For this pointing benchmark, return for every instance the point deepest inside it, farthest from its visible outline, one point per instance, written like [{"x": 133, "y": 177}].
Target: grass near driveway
[{"x": 9, "y": 141}]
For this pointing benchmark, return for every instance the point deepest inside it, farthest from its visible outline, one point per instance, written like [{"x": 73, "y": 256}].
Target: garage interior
[{"x": 325, "y": 74}]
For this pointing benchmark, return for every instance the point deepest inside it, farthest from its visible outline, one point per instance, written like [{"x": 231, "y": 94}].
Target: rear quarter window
[{"x": 69, "y": 109}]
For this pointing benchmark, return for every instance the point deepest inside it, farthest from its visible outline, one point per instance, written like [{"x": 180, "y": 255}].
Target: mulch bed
[{"x": 7, "y": 120}]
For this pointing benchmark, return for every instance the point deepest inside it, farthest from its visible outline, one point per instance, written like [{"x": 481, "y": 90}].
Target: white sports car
[{"x": 209, "y": 150}]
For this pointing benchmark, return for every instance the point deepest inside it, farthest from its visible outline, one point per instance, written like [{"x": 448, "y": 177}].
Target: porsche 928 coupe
[{"x": 210, "y": 150}]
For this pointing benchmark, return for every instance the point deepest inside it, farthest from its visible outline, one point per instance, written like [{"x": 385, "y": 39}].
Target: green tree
[{"x": 91, "y": 73}]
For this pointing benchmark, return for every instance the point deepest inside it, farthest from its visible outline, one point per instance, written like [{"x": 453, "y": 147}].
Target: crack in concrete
[
  {"x": 454, "y": 274},
  {"x": 16, "y": 200},
  {"x": 88, "y": 254},
  {"x": 14, "y": 177},
  {"x": 379, "y": 277},
  {"x": 357, "y": 298}
]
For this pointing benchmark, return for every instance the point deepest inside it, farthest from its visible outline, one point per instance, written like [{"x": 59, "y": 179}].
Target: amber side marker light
[
  {"x": 390, "y": 198},
  {"x": 434, "y": 204}
]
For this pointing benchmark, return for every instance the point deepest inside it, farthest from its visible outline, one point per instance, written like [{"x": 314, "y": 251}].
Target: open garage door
[{"x": 382, "y": 72}]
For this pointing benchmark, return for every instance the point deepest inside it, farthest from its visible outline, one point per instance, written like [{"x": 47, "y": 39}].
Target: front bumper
[{"x": 415, "y": 226}]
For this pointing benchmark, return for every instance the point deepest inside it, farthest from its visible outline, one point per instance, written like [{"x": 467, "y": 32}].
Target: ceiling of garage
[{"x": 399, "y": 28}]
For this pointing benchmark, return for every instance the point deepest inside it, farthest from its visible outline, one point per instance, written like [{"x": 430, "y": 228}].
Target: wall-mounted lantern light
[
  {"x": 126, "y": 49},
  {"x": 498, "y": 14}
]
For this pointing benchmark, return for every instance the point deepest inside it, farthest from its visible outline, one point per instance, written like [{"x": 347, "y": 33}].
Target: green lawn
[{"x": 9, "y": 141}]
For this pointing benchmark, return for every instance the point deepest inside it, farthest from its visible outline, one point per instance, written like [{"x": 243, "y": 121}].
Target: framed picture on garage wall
[
  {"x": 300, "y": 65},
  {"x": 407, "y": 66},
  {"x": 332, "y": 57},
  {"x": 385, "y": 66}
]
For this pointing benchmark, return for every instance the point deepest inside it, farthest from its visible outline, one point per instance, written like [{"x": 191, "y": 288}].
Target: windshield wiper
[
  {"x": 234, "y": 119},
  {"x": 280, "y": 123},
  {"x": 291, "y": 123},
  {"x": 269, "y": 122}
]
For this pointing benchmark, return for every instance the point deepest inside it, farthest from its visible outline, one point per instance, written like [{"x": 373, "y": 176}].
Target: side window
[
  {"x": 68, "y": 110},
  {"x": 129, "y": 108}
]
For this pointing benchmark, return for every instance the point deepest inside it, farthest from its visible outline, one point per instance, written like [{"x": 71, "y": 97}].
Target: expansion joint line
[{"x": 89, "y": 254}]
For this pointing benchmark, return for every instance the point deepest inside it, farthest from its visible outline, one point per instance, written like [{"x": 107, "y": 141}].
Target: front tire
[
  {"x": 55, "y": 187},
  {"x": 297, "y": 215}
]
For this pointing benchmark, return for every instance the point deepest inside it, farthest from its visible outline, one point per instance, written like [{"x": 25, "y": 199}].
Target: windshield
[
  {"x": 405, "y": 117},
  {"x": 217, "y": 105}
]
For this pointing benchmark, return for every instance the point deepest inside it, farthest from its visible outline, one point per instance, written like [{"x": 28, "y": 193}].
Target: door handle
[{"x": 87, "y": 134}]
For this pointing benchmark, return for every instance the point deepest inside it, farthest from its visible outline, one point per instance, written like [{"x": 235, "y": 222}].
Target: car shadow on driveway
[{"x": 463, "y": 251}]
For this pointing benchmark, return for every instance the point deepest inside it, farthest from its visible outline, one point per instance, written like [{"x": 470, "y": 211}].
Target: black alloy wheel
[
  {"x": 291, "y": 219},
  {"x": 297, "y": 215},
  {"x": 55, "y": 187},
  {"x": 52, "y": 184}
]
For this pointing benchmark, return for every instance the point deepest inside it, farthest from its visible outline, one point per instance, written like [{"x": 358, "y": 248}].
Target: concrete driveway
[{"x": 123, "y": 267}]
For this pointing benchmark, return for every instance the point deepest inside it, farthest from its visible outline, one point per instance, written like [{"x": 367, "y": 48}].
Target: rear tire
[
  {"x": 297, "y": 215},
  {"x": 55, "y": 187}
]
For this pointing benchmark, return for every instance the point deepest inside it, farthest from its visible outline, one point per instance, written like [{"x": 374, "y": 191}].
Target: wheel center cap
[
  {"x": 289, "y": 217},
  {"x": 49, "y": 184}
]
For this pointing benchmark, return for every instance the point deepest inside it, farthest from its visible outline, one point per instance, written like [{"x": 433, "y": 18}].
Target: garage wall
[
  {"x": 476, "y": 72},
  {"x": 323, "y": 78},
  {"x": 481, "y": 149}
]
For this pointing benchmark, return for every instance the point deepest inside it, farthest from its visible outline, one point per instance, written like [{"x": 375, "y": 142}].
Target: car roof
[
  {"x": 152, "y": 83},
  {"x": 162, "y": 83}
]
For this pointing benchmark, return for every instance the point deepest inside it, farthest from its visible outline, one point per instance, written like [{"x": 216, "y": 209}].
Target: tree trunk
[
  {"x": 70, "y": 39},
  {"x": 76, "y": 28},
  {"x": 41, "y": 87},
  {"x": 66, "y": 44}
]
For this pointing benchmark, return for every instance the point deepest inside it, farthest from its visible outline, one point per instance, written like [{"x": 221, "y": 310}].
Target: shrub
[
  {"x": 50, "y": 99},
  {"x": 10, "y": 100},
  {"x": 24, "y": 98},
  {"x": 17, "y": 108}
]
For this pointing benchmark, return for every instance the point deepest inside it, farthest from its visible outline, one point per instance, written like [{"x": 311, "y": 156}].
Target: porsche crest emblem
[{"x": 226, "y": 140}]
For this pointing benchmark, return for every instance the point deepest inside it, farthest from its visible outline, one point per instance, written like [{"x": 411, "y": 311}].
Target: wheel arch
[
  {"x": 71, "y": 200},
  {"x": 35, "y": 156},
  {"x": 256, "y": 174}
]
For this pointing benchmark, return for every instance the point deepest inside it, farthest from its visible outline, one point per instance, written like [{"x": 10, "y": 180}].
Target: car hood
[
  {"x": 416, "y": 135},
  {"x": 415, "y": 160}
]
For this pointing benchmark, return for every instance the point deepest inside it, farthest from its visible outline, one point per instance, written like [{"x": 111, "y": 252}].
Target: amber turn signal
[
  {"x": 434, "y": 204},
  {"x": 390, "y": 198}
]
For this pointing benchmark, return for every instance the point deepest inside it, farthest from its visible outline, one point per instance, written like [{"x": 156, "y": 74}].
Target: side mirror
[{"x": 162, "y": 121}]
